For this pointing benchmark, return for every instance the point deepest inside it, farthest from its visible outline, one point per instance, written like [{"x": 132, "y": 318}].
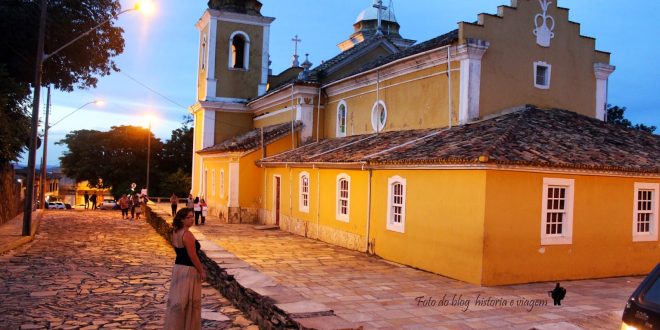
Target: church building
[{"x": 481, "y": 154}]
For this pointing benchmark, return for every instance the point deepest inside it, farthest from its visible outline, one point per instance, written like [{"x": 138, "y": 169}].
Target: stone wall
[
  {"x": 323, "y": 233},
  {"x": 265, "y": 302},
  {"x": 10, "y": 191}
]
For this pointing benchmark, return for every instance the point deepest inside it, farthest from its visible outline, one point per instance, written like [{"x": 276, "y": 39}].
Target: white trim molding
[
  {"x": 233, "y": 185},
  {"x": 546, "y": 76},
  {"x": 645, "y": 212},
  {"x": 557, "y": 211},
  {"x": 470, "y": 55},
  {"x": 602, "y": 72},
  {"x": 303, "y": 192},
  {"x": 212, "y": 182},
  {"x": 396, "y": 204},
  {"x": 376, "y": 123},
  {"x": 343, "y": 210},
  {"x": 211, "y": 80},
  {"x": 222, "y": 183},
  {"x": 338, "y": 132},
  {"x": 246, "y": 51},
  {"x": 265, "y": 58}
]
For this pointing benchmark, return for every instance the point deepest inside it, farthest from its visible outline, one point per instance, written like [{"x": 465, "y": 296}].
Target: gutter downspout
[
  {"x": 265, "y": 204},
  {"x": 449, "y": 84},
  {"x": 368, "y": 245}
]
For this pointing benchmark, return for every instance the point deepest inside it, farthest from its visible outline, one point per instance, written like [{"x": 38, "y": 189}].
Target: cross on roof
[
  {"x": 295, "y": 40},
  {"x": 379, "y": 6}
]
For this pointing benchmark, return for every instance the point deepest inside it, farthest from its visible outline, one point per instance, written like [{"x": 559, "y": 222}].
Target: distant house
[{"x": 481, "y": 154}]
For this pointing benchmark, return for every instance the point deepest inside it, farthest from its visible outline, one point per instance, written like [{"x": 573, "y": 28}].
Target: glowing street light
[
  {"x": 32, "y": 149},
  {"x": 42, "y": 184}
]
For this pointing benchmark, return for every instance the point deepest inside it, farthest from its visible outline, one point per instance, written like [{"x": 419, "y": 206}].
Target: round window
[{"x": 378, "y": 116}]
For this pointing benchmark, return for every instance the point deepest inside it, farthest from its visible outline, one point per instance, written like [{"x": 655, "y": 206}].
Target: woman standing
[
  {"x": 184, "y": 306},
  {"x": 198, "y": 210},
  {"x": 174, "y": 202},
  {"x": 204, "y": 210}
]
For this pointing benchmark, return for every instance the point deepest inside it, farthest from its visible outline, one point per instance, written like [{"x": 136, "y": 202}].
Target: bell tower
[{"x": 233, "y": 51}]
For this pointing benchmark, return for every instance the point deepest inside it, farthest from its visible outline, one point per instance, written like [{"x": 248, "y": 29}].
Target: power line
[{"x": 153, "y": 90}]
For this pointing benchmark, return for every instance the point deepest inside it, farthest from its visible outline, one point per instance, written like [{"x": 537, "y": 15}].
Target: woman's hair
[
  {"x": 196, "y": 199},
  {"x": 177, "y": 223}
]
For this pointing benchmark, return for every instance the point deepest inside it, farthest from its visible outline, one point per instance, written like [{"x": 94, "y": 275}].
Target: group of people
[
  {"x": 133, "y": 202},
  {"x": 197, "y": 205},
  {"x": 90, "y": 199}
]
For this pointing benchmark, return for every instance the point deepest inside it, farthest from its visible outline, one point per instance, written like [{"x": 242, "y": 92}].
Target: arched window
[
  {"x": 239, "y": 50},
  {"x": 378, "y": 116},
  {"x": 396, "y": 204},
  {"x": 303, "y": 204},
  {"x": 341, "y": 119},
  {"x": 343, "y": 197}
]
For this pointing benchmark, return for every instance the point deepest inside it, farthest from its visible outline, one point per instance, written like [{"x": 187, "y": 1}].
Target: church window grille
[
  {"x": 378, "y": 116},
  {"x": 557, "y": 214},
  {"x": 343, "y": 197},
  {"x": 645, "y": 217},
  {"x": 341, "y": 119},
  {"x": 396, "y": 208},
  {"x": 304, "y": 192},
  {"x": 239, "y": 51},
  {"x": 542, "y": 72}
]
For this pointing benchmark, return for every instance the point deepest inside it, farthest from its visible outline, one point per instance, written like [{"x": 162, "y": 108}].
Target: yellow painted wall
[
  {"x": 507, "y": 70},
  {"x": 413, "y": 104},
  {"x": 230, "y": 124},
  {"x": 238, "y": 83},
  {"x": 198, "y": 117},
  {"x": 443, "y": 223},
  {"x": 216, "y": 196},
  {"x": 282, "y": 117},
  {"x": 602, "y": 231}
]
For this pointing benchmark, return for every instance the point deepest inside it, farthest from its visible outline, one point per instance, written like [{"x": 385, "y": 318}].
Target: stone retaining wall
[{"x": 265, "y": 302}]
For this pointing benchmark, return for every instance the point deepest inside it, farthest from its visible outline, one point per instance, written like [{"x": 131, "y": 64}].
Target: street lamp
[
  {"x": 32, "y": 150},
  {"x": 42, "y": 185}
]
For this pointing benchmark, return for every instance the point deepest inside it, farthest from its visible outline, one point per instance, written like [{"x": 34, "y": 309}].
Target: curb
[{"x": 21, "y": 240}]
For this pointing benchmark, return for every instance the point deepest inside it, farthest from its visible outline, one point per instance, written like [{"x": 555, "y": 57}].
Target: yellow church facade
[{"x": 494, "y": 169}]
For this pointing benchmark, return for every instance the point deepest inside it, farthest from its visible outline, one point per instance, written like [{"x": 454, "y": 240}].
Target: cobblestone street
[{"x": 92, "y": 270}]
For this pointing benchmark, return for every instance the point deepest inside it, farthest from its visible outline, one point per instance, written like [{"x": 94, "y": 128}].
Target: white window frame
[
  {"x": 302, "y": 193},
  {"x": 548, "y": 75},
  {"x": 652, "y": 234},
  {"x": 375, "y": 120},
  {"x": 340, "y": 216},
  {"x": 222, "y": 183},
  {"x": 246, "y": 54},
  {"x": 338, "y": 131},
  {"x": 391, "y": 224},
  {"x": 213, "y": 182},
  {"x": 566, "y": 237}
]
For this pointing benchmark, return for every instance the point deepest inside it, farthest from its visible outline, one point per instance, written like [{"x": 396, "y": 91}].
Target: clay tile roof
[
  {"x": 529, "y": 137},
  {"x": 252, "y": 139}
]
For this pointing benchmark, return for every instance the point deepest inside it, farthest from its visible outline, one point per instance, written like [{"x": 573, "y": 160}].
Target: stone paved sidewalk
[
  {"x": 92, "y": 270},
  {"x": 375, "y": 293}
]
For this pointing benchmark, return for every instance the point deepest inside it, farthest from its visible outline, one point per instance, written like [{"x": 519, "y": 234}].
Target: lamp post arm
[
  {"x": 72, "y": 112},
  {"x": 47, "y": 56}
]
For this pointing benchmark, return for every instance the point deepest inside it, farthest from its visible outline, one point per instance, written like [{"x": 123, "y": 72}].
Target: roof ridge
[{"x": 485, "y": 155}]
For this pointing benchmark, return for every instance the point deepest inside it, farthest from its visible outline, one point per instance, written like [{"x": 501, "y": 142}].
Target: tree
[
  {"x": 178, "y": 150},
  {"x": 615, "y": 115},
  {"x": 118, "y": 157},
  {"x": 78, "y": 65}
]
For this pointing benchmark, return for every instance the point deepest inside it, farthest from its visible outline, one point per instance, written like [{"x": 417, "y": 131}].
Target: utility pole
[{"x": 44, "y": 176}]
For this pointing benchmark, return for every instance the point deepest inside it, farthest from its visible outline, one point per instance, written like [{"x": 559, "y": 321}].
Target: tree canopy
[
  {"x": 78, "y": 65},
  {"x": 119, "y": 157},
  {"x": 615, "y": 115}
]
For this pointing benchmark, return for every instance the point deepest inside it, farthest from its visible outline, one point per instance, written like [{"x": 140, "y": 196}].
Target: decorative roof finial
[{"x": 306, "y": 64}]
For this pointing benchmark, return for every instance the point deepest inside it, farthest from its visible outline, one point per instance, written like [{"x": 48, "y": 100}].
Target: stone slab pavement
[
  {"x": 93, "y": 270},
  {"x": 374, "y": 293}
]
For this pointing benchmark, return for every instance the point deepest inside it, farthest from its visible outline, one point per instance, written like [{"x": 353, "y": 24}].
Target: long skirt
[{"x": 184, "y": 306}]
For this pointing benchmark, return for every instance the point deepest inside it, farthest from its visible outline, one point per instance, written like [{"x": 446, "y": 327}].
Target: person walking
[
  {"x": 137, "y": 206},
  {"x": 174, "y": 202},
  {"x": 86, "y": 197},
  {"x": 184, "y": 305},
  {"x": 205, "y": 210},
  {"x": 132, "y": 202},
  {"x": 198, "y": 210},
  {"x": 123, "y": 205},
  {"x": 93, "y": 200},
  {"x": 190, "y": 202}
]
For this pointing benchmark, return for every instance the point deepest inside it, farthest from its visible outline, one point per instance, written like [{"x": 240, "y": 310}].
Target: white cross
[{"x": 379, "y": 6}]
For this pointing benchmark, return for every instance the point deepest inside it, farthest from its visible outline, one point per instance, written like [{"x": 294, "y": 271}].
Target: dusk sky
[{"x": 159, "y": 61}]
